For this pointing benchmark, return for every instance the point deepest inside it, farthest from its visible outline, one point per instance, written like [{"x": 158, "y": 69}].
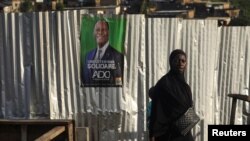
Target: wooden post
[
  {"x": 24, "y": 132},
  {"x": 82, "y": 134},
  {"x": 70, "y": 132},
  {"x": 233, "y": 110}
]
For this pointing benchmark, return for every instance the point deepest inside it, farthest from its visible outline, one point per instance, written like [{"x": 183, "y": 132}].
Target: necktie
[{"x": 99, "y": 54}]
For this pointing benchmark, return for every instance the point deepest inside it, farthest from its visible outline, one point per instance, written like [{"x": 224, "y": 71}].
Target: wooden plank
[
  {"x": 51, "y": 134},
  {"x": 240, "y": 96},
  {"x": 26, "y": 134},
  {"x": 35, "y": 122}
]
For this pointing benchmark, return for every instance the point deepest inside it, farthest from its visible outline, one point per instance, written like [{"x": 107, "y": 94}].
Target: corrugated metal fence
[{"x": 40, "y": 72}]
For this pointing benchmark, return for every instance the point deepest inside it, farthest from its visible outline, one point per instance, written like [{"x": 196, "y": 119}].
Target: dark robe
[{"x": 172, "y": 97}]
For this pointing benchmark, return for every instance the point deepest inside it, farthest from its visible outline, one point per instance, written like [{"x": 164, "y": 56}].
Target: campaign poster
[{"x": 102, "y": 46}]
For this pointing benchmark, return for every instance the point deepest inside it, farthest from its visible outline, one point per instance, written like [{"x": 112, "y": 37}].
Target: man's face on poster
[{"x": 101, "y": 33}]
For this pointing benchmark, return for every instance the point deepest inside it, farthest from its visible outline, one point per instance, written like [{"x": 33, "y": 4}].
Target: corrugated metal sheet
[
  {"x": 198, "y": 38},
  {"x": 234, "y": 70},
  {"x": 40, "y": 72}
]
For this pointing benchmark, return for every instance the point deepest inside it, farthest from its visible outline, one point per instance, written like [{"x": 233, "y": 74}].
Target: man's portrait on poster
[{"x": 103, "y": 66}]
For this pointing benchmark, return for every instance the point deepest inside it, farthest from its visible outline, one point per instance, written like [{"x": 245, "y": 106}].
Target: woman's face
[{"x": 179, "y": 63}]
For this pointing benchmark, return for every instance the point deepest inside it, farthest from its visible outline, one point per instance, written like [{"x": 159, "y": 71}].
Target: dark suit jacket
[{"x": 103, "y": 77}]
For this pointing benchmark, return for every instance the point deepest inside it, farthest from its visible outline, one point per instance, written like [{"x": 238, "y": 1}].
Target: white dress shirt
[{"x": 103, "y": 49}]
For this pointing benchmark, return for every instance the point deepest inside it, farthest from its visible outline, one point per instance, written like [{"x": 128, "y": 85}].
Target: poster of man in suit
[{"x": 102, "y": 40}]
